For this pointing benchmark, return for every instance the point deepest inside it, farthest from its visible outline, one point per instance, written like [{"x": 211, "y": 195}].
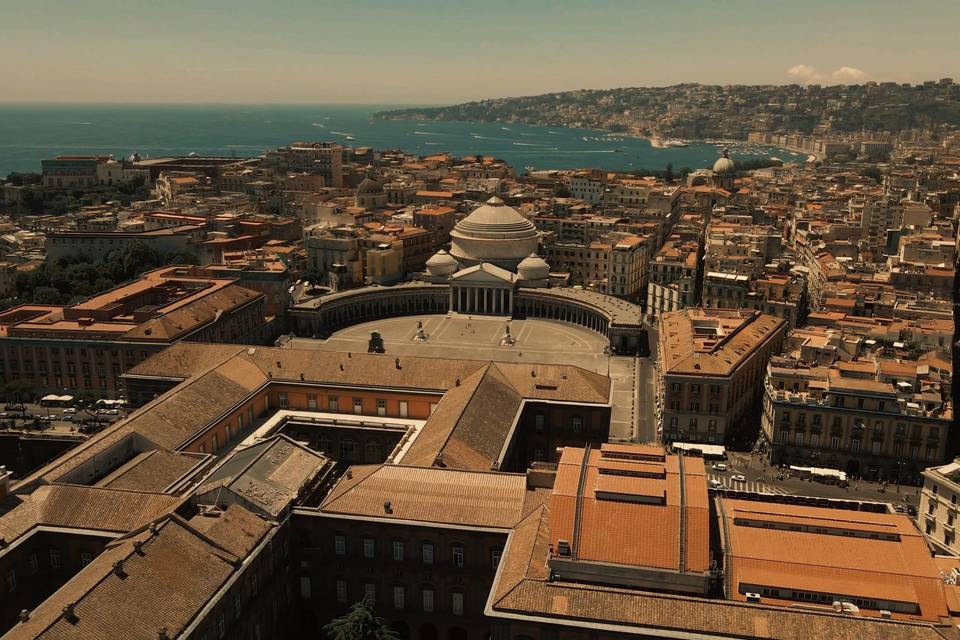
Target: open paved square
[{"x": 482, "y": 338}]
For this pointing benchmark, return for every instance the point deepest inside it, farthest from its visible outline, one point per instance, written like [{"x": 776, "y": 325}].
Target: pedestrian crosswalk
[{"x": 726, "y": 482}]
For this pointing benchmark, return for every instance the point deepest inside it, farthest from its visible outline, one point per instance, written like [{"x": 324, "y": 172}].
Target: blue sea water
[{"x": 30, "y": 133}]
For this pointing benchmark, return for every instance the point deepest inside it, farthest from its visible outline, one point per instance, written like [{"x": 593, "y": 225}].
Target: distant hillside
[{"x": 713, "y": 111}]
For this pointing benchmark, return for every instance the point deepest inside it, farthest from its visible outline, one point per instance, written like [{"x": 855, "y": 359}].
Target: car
[
  {"x": 112, "y": 412},
  {"x": 738, "y": 478},
  {"x": 67, "y": 418},
  {"x": 715, "y": 484},
  {"x": 13, "y": 407},
  {"x": 719, "y": 466},
  {"x": 69, "y": 410}
]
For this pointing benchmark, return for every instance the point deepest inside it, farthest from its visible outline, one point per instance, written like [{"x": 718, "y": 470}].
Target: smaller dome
[
  {"x": 533, "y": 267},
  {"x": 369, "y": 185},
  {"x": 442, "y": 264},
  {"x": 724, "y": 164}
]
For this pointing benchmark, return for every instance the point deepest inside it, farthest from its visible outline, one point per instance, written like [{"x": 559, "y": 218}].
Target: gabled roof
[
  {"x": 483, "y": 273},
  {"x": 164, "y": 582},
  {"x": 267, "y": 476},
  {"x": 443, "y": 496}
]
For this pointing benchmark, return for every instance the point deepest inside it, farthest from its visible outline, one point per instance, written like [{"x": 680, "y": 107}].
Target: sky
[{"x": 420, "y": 52}]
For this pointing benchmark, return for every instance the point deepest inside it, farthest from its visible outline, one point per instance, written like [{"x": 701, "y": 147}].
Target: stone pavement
[{"x": 481, "y": 338}]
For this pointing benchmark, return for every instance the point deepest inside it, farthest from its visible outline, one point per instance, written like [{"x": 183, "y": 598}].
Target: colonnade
[{"x": 479, "y": 299}]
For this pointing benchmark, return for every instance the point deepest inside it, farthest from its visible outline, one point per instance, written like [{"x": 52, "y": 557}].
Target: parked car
[
  {"x": 70, "y": 410},
  {"x": 719, "y": 466},
  {"x": 715, "y": 484},
  {"x": 738, "y": 478}
]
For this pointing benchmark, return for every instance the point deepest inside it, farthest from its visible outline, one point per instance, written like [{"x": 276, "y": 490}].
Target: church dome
[
  {"x": 442, "y": 264},
  {"x": 495, "y": 233},
  {"x": 369, "y": 185},
  {"x": 724, "y": 164},
  {"x": 533, "y": 267}
]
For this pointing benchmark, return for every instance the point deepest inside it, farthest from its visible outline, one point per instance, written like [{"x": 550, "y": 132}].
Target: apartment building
[
  {"x": 88, "y": 345},
  {"x": 673, "y": 275},
  {"x": 615, "y": 264},
  {"x": 879, "y": 418},
  {"x": 710, "y": 366},
  {"x": 937, "y": 514}
]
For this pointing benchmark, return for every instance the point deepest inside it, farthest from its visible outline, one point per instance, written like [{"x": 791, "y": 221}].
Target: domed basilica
[{"x": 492, "y": 251}]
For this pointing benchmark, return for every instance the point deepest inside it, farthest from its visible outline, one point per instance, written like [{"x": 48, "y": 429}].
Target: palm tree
[{"x": 360, "y": 623}]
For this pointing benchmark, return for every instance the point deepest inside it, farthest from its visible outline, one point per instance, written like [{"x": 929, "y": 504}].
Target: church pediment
[{"x": 484, "y": 273}]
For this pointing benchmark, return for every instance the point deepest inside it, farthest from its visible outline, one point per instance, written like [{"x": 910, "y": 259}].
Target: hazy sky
[{"x": 419, "y": 52}]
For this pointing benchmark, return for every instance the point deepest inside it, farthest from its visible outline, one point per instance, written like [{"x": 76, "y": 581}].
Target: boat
[{"x": 349, "y": 138}]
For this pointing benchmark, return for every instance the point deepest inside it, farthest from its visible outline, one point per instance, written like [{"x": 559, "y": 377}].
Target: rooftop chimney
[
  {"x": 4, "y": 482},
  {"x": 24, "y": 615},
  {"x": 69, "y": 614},
  {"x": 387, "y": 507},
  {"x": 118, "y": 569},
  {"x": 162, "y": 634}
]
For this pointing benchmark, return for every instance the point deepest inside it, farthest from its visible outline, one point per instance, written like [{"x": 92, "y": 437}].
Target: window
[
  {"x": 341, "y": 591},
  {"x": 332, "y": 403},
  {"x": 33, "y": 563},
  {"x": 221, "y": 627},
  {"x": 381, "y": 407},
  {"x": 815, "y": 440},
  {"x": 340, "y": 545},
  {"x": 284, "y": 400},
  {"x": 237, "y": 608},
  {"x": 538, "y": 455},
  {"x": 855, "y": 445},
  {"x": 398, "y": 550},
  {"x": 456, "y": 555},
  {"x": 428, "y": 600},
  {"x": 399, "y": 594},
  {"x": 426, "y": 553},
  {"x": 577, "y": 424},
  {"x": 539, "y": 421},
  {"x": 358, "y": 405},
  {"x": 456, "y": 603},
  {"x": 369, "y": 548},
  {"x": 348, "y": 449},
  {"x": 495, "y": 557},
  {"x": 11, "y": 580},
  {"x": 370, "y": 592},
  {"x": 85, "y": 558},
  {"x": 712, "y": 425},
  {"x": 55, "y": 558},
  {"x": 835, "y": 442},
  {"x": 875, "y": 447},
  {"x": 311, "y": 401},
  {"x": 403, "y": 409}
]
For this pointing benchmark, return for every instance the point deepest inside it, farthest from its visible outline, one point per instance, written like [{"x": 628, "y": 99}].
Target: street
[{"x": 761, "y": 477}]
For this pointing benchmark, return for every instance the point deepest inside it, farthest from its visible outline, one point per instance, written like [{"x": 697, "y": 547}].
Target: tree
[
  {"x": 360, "y": 623},
  {"x": 668, "y": 174},
  {"x": 46, "y": 295}
]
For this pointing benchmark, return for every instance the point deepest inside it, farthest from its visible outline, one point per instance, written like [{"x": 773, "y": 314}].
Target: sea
[{"x": 31, "y": 133}]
